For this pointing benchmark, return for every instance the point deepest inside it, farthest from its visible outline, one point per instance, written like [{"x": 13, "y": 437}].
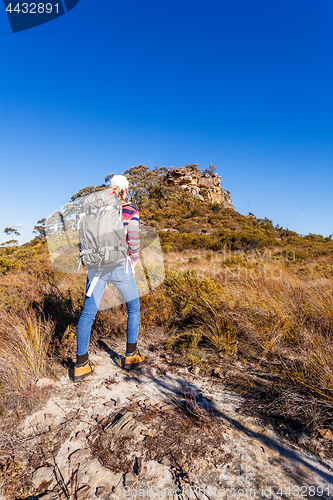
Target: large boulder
[{"x": 202, "y": 185}]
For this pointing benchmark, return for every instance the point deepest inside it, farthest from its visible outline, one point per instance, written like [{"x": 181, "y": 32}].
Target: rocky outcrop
[{"x": 203, "y": 185}]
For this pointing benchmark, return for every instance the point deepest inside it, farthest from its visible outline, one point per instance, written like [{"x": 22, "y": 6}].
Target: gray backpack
[{"x": 102, "y": 235}]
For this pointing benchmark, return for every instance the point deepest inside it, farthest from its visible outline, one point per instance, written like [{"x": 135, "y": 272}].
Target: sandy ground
[{"x": 237, "y": 457}]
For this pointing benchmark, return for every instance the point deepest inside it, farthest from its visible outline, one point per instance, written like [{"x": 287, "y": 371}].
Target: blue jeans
[{"x": 126, "y": 285}]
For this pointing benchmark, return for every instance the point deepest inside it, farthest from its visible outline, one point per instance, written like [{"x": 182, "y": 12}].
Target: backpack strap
[
  {"x": 107, "y": 250},
  {"x": 129, "y": 260},
  {"x": 93, "y": 283}
]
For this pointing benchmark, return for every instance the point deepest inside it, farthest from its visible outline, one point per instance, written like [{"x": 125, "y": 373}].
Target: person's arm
[{"x": 133, "y": 238}]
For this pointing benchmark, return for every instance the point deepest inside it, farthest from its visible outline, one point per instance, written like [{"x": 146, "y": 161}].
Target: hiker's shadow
[
  {"x": 69, "y": 364},
  {"x": 116, "y": 358}
]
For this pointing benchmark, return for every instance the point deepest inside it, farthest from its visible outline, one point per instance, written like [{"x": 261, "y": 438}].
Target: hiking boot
[
  {"x": 134, "y": 360},
  {"x": 81, "y": 372}
]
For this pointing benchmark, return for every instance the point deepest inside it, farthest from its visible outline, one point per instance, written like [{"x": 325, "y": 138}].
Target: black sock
[
  {"x": 81, "y": 359},
  {"x": 130, "y": 348}
]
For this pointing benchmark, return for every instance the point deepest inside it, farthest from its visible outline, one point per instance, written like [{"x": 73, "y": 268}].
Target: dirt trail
[{"x": 151, "y": 434}]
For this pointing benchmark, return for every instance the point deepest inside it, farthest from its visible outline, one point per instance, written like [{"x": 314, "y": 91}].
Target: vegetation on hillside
[{"x": 242, "y": 298}]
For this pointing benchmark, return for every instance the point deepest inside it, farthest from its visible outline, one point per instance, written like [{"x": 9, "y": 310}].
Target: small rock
[
  {"x": 99, "y": 491},
  {"x": 100, "y": 418},
  {"x": 117, "y": 402},
  {"x": 124, "y": 426},
  {"x": 217, "y": 372},
  {"x": 162, "y": 367},
  {"x": 42, "y": 475},
  {"x": 80, "y": 435},
  {"x": 79, "y": 456},
  {"x": 110, "y": 403},
  {"x": 130, "y": 479},
  {"x": 48, "y": 415},
  {"x": 195, "y": 370},
  {"x": 83, "y": 492},
  {"x": 165, "y": 406},
  {"x": 44, "y": 382}
]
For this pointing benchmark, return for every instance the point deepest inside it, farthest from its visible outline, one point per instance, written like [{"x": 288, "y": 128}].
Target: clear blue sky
[{"x": 245, "y": 85}]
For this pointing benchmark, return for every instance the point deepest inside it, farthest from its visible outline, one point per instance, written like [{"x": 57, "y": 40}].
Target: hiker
[{"x": 121, "y": 276}]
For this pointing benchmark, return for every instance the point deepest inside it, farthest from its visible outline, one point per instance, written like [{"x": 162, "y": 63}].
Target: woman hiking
[{"x": 122, "y": 277}]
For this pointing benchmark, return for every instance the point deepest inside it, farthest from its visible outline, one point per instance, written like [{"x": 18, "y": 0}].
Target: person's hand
[{"x": 133, "y": 263}]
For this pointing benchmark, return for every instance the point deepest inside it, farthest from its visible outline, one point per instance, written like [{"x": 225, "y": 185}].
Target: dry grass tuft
[
  {"x": 24, "y": 347},
  {"x": 277, "y": 316}
]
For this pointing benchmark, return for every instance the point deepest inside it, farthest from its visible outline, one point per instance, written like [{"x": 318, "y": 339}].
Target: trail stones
[
  {"x": 44, "y": 382},
  {"x": 195, "y": 370},
  {"x": 43, "y": 475},
  {"x": 162, "y": 368},
  {"x": 110, "y": 404},
  {"x": 124, "y": 426},
  {"x": 158, "y": 475},
  {"x": 80, "y": 435},
  {"x": 78, "y": 456},
  {"x": 130, "y": 479},
  {"x": 99, "y": 491},
  {"x": 217, "y": 372}
]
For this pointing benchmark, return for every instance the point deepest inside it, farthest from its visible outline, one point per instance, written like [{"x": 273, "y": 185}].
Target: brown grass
[
  {"x": 267, "y": 308},
  {"x": 279, "y": 316},
  {"x": 24, "y": 346}
]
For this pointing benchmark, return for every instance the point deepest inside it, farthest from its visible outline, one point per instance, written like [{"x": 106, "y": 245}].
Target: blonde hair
[
  {"x": 121, "y": 192},
  {"x": 119, "y": 184}
]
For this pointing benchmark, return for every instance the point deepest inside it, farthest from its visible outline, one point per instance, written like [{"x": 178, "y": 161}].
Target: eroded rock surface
[
  {"x": 202, "y": 185},
  {"x": 172, "y": 434}
]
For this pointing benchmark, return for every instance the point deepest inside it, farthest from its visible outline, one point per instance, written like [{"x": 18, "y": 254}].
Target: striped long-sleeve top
[{"x": 131, "y": 222}]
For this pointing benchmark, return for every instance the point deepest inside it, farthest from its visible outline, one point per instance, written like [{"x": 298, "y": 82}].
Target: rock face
[{"x": 202, "y": 185}]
